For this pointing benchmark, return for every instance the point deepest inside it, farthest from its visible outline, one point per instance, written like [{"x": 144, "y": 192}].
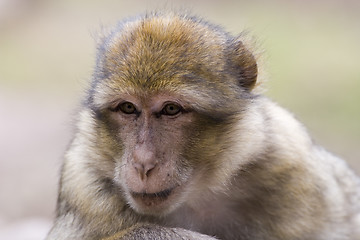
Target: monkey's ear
[{"x": 244, "y": 64}]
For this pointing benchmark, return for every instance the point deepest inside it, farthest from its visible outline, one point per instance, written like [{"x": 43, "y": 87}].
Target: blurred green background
[{"x": 311, "y": 55}]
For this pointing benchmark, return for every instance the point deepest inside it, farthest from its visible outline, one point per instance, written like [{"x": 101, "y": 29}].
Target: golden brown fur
[{"x": 231, "y": 165}]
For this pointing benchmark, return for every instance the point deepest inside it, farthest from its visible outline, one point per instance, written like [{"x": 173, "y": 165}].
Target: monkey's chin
[{"x": 158, "y": 203}]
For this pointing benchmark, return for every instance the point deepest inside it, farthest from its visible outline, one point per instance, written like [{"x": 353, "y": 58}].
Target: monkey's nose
[
  {"x": 144, "y": 160},
  {"x": 144, "y": 169}
]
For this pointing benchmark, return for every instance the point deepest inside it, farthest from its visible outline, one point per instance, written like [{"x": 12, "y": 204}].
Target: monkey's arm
[
  {"x": 154, "y": 232},
  {"x": 67, "y": 230}
]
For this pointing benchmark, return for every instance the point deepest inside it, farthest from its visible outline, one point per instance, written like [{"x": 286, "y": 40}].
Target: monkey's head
[{"x": 165, "y": 93}]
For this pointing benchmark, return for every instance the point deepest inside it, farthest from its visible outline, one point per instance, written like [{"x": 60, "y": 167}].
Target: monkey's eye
[
  {"x": 171, "y": 109},
  {"x": 127, "y": 108}
]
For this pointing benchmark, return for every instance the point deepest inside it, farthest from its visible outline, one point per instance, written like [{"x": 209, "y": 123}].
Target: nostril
[
  {"x": 144, "y": 169},
  {"x": 148, "y": 167}
]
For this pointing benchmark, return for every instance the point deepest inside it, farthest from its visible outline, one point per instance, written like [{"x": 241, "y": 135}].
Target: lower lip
[{"x": 153, "y": 199}]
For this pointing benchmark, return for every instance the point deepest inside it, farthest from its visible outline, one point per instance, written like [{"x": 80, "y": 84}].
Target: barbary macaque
[{"x": 174, "y": 142}]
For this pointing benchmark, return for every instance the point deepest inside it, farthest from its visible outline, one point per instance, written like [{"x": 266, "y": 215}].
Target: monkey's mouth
[{"x": 152, "y": 199}]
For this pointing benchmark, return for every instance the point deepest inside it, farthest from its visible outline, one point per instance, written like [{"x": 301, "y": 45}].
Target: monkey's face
[
  {"x": 165, "y": 145},
  {"x": 165, "y": 150}
]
